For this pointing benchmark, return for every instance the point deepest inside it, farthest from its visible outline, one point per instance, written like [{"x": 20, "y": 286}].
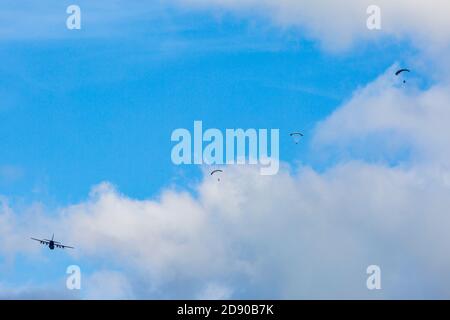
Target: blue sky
[
  {"x": 103, "y": 105},
  {"x": 82, "y": 107}
]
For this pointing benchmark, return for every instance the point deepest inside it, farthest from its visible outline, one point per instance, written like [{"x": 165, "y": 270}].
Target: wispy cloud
[{"x": 338, "y": 26}]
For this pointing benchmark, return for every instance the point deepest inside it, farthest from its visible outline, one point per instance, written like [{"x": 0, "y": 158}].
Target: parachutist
[
  {"x": 401, "y": 71},
  {"x": 296, "y": 136},
  {"x": 216, "y": 172}
]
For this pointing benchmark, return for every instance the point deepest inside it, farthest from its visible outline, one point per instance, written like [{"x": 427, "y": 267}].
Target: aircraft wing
[
  {"x": 63, "y": 246},
  {"x": 42, "y": 241}
]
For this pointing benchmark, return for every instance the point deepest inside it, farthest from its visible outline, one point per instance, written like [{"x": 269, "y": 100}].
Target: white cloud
[
  {"x": 20, "y": 223},
  {"x": 392, "y": 116},
  {"x": 340, "y": 23},
  {"x": 305, "y": 236},
  {"x": 106, "y": 285},
  {"x": 215, "y": 291},
  {"x": 10, "y": 240},
  {"x": 36, "y": 292}
]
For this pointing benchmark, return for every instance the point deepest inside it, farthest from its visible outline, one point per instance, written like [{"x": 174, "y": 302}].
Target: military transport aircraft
[{"x": 52, "y": 244}]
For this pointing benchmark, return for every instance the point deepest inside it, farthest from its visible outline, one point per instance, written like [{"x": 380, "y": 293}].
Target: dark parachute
[
  {"x": 215, "y": 172},
  {"x": 401, "y": 71},
  {"x": 296, "y": 136}
]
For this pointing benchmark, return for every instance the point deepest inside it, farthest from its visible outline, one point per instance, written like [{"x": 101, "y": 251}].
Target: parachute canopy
[
  {"x": 402, "y": 70},
  {"x": 215, "y": 172},
  {"x": 296, "y": 136}
]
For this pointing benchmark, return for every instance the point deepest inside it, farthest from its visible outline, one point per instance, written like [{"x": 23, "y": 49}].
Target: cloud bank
[{"x": 302, "y": 234}]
